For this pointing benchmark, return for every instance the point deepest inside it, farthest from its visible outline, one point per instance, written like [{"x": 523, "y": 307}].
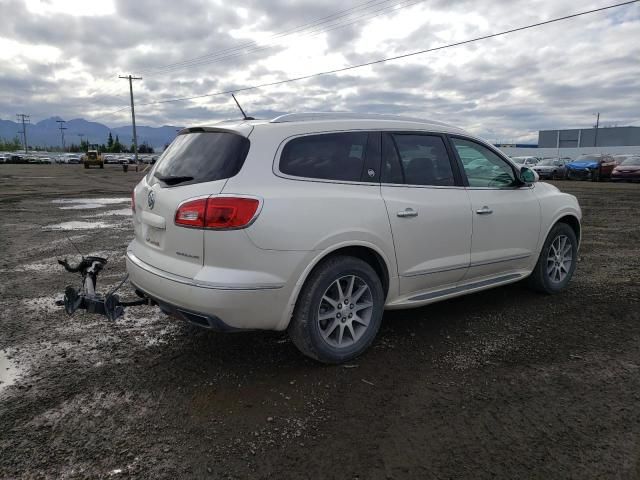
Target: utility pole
[
  {"x": 133, "y": 116},
  {"x": 595, "y": 141},
  {"x": 25, "y": 119},
  {"x": 62, "y": 129}
]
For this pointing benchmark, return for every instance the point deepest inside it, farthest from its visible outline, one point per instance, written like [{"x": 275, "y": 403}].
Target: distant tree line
[
  {"x": 10, "y": 145},
  {"x": 112, "y": 146}
]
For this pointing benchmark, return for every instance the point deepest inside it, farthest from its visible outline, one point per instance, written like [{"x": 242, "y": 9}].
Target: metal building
[{"x": 590, "y": 137}]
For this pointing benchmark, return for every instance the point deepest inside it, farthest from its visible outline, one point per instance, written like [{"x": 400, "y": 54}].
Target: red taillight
[
  {"x": 191, "y": 214},
  {"x": 133, "y": 201},
  {"x": 217, "y": 212}
]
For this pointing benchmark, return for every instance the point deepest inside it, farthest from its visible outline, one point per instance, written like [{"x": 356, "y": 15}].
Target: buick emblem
[{"x": 151, "y": 199}]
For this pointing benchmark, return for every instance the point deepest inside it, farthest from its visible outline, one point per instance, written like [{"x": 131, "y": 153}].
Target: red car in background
[{"x": 627, "y": 171}]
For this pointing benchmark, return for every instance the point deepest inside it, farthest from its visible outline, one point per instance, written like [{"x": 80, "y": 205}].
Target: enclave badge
[{"x": 151, "y": 199}]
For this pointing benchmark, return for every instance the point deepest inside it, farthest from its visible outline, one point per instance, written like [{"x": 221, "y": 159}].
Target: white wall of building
[{"x": 567, "y": 152}]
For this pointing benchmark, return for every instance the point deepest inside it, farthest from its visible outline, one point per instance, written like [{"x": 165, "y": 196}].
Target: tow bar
[{"x": 86, "y": 297}]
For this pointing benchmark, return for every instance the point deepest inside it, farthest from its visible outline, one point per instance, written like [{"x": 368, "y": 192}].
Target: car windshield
[
  {"x": 587, "y": 159},
  {"x": 632, "y": 161},
  {"x": 549, "y": 162}
]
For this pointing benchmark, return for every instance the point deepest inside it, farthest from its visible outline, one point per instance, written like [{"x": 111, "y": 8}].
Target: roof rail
[{"x": 311, "y": 116}]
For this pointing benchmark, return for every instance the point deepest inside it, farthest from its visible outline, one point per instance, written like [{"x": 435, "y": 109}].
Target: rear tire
[
  {"x": 339, "y": 310},
  {"x": 557, "y": 261}
]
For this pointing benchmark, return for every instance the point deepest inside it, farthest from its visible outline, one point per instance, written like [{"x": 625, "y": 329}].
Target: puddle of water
[
  {"x": 123, "y": 212},
  {"x": 82, "y": 206},
  {"x": 77, "y": 225},
  {"x": 88, "y": 203},
  {"x": 8, "y": 370}
]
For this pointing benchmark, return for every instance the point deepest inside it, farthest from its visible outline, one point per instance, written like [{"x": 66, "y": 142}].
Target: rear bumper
[
  {"x": 219, "y": 307},
  {"x": 626, "y": 177}
]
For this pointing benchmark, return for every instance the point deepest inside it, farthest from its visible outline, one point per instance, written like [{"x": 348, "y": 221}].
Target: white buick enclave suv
[{"x": 316, "y": 223}]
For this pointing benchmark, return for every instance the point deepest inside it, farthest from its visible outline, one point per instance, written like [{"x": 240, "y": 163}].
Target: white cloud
[{"x": 65, "y": 60}]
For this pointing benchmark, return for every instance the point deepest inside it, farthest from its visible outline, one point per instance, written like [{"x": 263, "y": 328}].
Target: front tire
[
  {"x": 557, "y": 261},
  {"x": 339, "y": 310}
]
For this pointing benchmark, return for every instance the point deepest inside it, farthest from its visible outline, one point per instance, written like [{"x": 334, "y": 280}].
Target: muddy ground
[{"x": 501, "y": 384}]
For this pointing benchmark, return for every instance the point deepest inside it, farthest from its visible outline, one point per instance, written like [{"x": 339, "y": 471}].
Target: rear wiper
[{"x": 174, "y": 179}]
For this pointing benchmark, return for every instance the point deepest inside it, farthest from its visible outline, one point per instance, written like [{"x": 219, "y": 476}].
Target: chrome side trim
[
  {"x": 463, "y": 288},
  {"x": 491, "y": 262},
  {"x": 466, "y": 265},
  {"x": 193, "y": 283},
  {"x": 439, "y": 270}
]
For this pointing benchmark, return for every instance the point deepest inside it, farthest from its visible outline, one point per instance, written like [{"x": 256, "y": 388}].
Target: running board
[{"x": 463, "y": 288}]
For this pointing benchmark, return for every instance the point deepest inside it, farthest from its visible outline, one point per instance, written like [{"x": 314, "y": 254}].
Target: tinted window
[
  {"x": 417, "y": 160},
  {"x": 483, "y": 167},
  {"x": 330, "y": 156},
  {"x": 202, "y": 157}
]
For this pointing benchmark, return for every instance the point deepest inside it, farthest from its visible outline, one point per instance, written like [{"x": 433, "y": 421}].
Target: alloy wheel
[
  {"x": 559, "y": 259},
  {"x": 345, "y": 311}
]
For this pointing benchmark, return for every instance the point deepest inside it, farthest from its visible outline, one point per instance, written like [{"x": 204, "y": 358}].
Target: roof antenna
[{"x": 244, "y": 115}]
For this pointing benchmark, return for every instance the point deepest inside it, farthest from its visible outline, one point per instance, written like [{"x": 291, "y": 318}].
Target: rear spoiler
[{"x": 243, "y": 129}]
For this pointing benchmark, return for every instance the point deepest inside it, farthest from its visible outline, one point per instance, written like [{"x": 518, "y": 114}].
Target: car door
[
  {"x": 428, "y": 208},
  {"x": 506, "y": 214}
]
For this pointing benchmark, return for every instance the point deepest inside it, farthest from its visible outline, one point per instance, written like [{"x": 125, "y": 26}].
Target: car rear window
[
  {"x": 198, "y": 157},
  {"x": 328, "y": 156}
]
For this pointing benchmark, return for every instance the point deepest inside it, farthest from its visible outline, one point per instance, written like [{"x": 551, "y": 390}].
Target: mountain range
[{"x": 46, "y": 133}]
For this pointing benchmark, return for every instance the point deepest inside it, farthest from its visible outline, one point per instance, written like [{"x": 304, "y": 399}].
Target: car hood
[
  {"x": 627, "y": 168},
  {"x": 544, "y": 167},
  {"x": 582, "y": 165}
]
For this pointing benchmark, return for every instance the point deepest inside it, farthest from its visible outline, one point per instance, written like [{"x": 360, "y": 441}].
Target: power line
[
  {"x": 311, "y": 33},
  {"x": 397, "y": 57},
  {"x": 329, "y": 18}
]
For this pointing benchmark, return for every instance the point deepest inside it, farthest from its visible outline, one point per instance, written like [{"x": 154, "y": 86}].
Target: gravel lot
[{"x": 501, "y": 384}]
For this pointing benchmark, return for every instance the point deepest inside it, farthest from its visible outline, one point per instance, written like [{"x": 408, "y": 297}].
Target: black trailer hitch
[{"x": 87, "y": 298}]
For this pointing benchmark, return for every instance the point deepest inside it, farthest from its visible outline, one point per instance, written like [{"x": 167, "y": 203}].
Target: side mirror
[{"x": 528, "y": 176}]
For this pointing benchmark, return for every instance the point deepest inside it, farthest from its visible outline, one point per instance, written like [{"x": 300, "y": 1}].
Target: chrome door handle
[
  {"x": 484, "y": 211},
  {"x": 407, "y": 212}
]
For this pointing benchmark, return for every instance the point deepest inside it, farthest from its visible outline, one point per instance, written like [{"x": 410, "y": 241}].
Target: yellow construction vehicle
[{"x": 93, "y": 157}]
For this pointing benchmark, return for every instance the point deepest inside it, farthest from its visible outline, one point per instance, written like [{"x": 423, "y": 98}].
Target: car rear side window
[
  {"x": 328, "y": 156},
  {"x": 198, "y": 157},
  {"x": 416, "y": 159}
]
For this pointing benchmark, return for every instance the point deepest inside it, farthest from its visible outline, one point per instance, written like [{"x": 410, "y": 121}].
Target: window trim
[
  {"x": 465, "y": 179},
  {"x": 278, "y": 157},
  {"x": 455, "y": 168}
]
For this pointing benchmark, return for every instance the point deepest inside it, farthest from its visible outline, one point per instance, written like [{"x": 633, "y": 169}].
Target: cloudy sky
[{"x": 63, "y": 58}]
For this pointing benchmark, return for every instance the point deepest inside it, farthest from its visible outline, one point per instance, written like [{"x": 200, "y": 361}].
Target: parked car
[
  {"x": 551, "y": 168},
  {"x": 594, "y": 167},
  {"x": 628, "y": 170},
  {"x": 110, "y": 160},
  {"x": 315, "y": 223},
  {"x": 70, "y": 158},
  {"x": 526, "y": 161}
]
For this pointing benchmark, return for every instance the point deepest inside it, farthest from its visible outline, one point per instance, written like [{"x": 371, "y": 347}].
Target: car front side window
[{"x": 483, "y": 167}]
